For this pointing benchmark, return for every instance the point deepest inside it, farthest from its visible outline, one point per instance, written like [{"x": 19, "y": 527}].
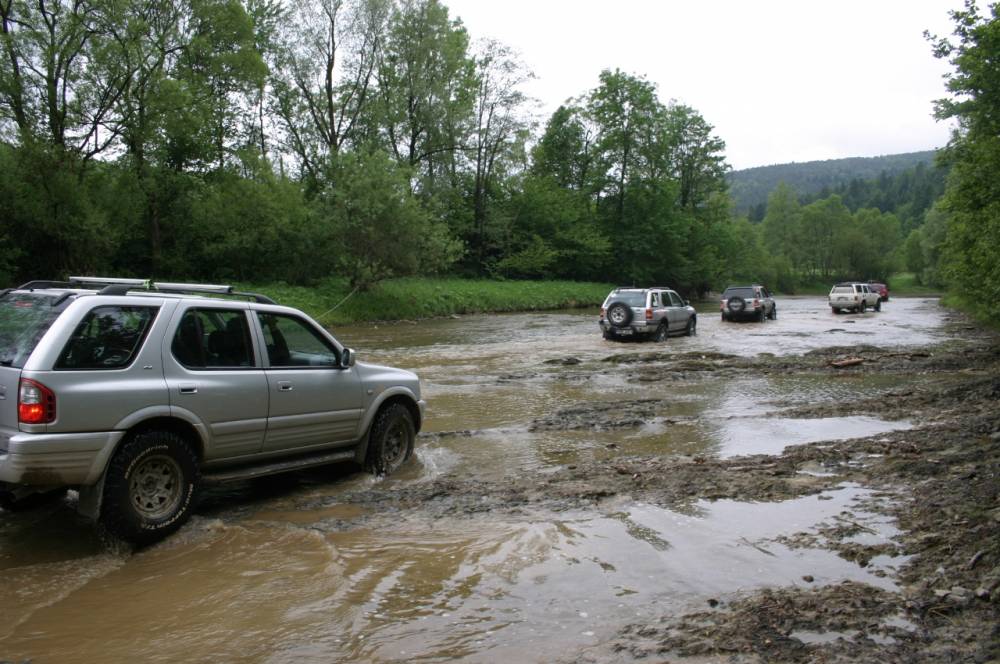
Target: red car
[{"x": 881, "y": 289}]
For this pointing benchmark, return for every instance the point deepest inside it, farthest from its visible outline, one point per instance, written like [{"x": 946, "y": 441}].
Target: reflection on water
[{"x": 400, "y": 587}]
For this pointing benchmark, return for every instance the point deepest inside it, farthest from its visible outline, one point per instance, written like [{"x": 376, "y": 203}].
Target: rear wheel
[
  {"x": 661, "y": 333},
  {"x": 774, "y": 313},
  {"x": 863, "y": 308},
  {"x": 391, "y": 440},
  {"x": 760, "y": 316},
  {"x": 878, "y": 305},
  {"x": 150, "y": 487}
]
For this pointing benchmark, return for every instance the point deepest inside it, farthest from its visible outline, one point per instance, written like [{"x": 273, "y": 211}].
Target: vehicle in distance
[
  {"x": 646, "y": 312},
  {"x": 753, "y": 302},
  {"x": 853, "y": 296},
  {"x": 139, "y": 393},
  {"x": 881, "y": 289}
]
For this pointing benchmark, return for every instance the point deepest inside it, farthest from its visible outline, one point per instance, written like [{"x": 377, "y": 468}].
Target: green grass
[
  {"x": 901, "y": 284},
  {"x": 331, "y": 302}
]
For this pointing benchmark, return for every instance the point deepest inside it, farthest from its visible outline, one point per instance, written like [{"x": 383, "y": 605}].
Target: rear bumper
[
  {"x": 635, "y": 328},
  {"x": 58, "y": 459}
]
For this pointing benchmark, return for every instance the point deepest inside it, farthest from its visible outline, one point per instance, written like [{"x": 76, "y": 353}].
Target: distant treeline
[
  {"x": 750, "y": 187},
  {"x": 265, "y": 141}
]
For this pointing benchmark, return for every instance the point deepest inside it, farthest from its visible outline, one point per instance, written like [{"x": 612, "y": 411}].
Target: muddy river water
[{"x": 287, "y": 570}]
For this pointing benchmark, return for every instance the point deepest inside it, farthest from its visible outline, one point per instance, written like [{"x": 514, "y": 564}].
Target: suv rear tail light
[
  {"x": 649, "y": 314},
  {"x": 756, "y": 303},
  {"x": 36, "y": 404},
  {"x": 603, "y": 312}
]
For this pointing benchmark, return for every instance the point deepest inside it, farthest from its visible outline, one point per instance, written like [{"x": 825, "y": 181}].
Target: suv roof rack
[{"x": 122, "y": 286}]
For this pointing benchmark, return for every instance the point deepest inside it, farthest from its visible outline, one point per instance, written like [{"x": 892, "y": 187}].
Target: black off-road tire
[
  {"x": 150, "y": 487},
  {"x": 390, "y": 442},
  {"x": 863, "y": 307},
  {"x": 661, "y": 333},
  {"x": 774, "y": 313},
  {"x": 691, "y": 329},
  {"x": 761, "y": 316},
  {"x": 619, "y": 314},
  {"x": 724, "y": 316},
  {"x": 607, "y": 335},
  {"x": 878, "y": 305}
]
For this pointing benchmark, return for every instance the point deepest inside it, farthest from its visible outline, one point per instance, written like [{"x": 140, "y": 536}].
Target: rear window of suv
[
  {"x": 631, "y": 298},
  {"x": 738, "y": 292},
  {"x": 24, "y": 320}
]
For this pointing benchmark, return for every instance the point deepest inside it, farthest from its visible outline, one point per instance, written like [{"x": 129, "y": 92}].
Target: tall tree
[
  {"x": 972, "y": 197},
  {"x": 501, "y": 128},
  {"x": 325, "y": 81}
]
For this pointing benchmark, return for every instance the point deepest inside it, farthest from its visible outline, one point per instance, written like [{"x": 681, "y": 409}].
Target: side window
[
  {"x": 291, "y": 342},
  {"x": 675, "y": 300},
  {"x": 213, "y": 339},
  {"x": 654, "y": 300},
  {"x": 107, "y": 338}
]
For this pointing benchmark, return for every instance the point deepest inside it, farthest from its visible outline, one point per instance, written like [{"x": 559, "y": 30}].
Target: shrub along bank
[{"x": 332, "y": 302}]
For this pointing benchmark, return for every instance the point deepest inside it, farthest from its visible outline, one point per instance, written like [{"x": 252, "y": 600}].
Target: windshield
[
  {"x": 24, "y": 319},
  {"x": 631, "y": 298},
  {"x": 738, "y": 292}
]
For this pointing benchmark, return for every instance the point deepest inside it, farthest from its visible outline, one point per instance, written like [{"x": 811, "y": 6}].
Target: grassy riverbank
[
  {"x": 901, "y": 284},
  {"x": 333, "y": 303}
]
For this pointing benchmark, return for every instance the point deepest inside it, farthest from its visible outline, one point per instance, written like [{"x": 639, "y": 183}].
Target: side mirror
[
  {"x": 347, "y": 358},
  {"x": 686, "y": 303}
]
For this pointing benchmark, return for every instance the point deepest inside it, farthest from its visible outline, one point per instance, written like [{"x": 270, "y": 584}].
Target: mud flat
[{"x": 938, "y": 481}]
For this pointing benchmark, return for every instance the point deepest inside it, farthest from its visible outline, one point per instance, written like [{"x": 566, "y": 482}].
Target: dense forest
[
  {"x": 750, "y": 187},
  {"x": 369, "y": 139}
]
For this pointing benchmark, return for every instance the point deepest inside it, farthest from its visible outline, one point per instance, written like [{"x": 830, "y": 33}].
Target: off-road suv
[
  {"x": 646, "y": 312},
  {"x": 854, "y": 296},
  {"x": 138, "y": 393},
  {"x": 752, "y": 302}
]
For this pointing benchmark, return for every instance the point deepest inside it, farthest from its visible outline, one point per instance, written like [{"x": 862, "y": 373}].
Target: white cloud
[{"x": 780, "y": 81}]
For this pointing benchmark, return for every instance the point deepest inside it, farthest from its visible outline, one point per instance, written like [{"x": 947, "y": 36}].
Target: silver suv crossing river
[{"x": 138, "y": 393}]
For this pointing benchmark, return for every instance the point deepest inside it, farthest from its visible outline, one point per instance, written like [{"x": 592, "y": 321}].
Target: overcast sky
[{"x": 781, "y": 81}]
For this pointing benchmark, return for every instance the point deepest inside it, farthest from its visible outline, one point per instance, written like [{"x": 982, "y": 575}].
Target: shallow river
[{"x": 280, "y": 571}]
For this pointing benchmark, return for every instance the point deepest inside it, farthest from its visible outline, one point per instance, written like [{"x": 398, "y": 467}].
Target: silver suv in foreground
[
  {"x": 138, "y": 393},
  {"x": 643, "y": 312}
]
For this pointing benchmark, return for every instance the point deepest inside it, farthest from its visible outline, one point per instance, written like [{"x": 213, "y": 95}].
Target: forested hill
[{"x": 750, "y": 187}]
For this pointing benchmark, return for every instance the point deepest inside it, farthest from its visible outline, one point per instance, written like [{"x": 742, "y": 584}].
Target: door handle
[
  {"x": 188, "y": 389},
  {"x": 284, "y": 386}
]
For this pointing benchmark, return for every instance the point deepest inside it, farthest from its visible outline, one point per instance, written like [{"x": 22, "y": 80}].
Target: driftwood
[{"x": 846, "y": 362}]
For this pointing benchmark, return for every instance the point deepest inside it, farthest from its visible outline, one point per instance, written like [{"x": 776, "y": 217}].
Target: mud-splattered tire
[
  {"x": 692, "y": 327},
  {"x": 661, "y": 333},
  {"x": 391, "y": 440},
  {"x": 150, "y": 487}
]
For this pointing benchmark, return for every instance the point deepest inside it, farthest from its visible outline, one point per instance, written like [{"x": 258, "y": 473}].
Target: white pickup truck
[{"x": 854, "y": 296}]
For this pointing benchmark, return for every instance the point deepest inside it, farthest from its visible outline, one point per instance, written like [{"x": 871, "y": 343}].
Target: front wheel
[
  {"x": 692, "y": 327},
  {"x": 391, "y": 440},
  {"x": 150, "y": 487}
]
